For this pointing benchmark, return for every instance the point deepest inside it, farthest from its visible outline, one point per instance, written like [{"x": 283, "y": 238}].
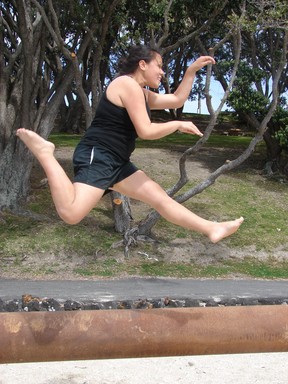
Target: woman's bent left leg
[
  {"x": 72, "y": 201},
  {"x": 140, "y": 187}
]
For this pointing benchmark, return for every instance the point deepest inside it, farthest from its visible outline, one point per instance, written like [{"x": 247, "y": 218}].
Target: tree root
[{"x": 132, "y": 238}]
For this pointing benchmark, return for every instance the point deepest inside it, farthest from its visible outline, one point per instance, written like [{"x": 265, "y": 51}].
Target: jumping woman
[{"x": 102, "y": 158}]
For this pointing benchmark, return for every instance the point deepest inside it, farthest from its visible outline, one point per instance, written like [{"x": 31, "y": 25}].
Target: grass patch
[
  {"x": 270, "y": 269},
  {"x": 64, "y": 139},
  {"x": 182, "y": 140},
  {"x": 171, "y": 141},
  {"x": 264, "y": 207}
]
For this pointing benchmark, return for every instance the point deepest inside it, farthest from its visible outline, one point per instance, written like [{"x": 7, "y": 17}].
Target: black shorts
[{"x": 98, "y": 167}]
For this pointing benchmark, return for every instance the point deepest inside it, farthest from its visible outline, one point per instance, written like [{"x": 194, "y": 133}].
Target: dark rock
[
  {"x": 231, "y": 302},
  {"x": 109, "y": 305},
  {"x": 273, "y": 300},
  {"x": 190, "y": 303},
  {"x": 249, "y": 301},
  {"x": 12, "y": 306},
  {"x": 156, "y": 304},
  {"x": 124, "y": 305},
  {"x": 70, "y": 305},
  {"x": 175, "y": 304},
  {"x": 32, "y": 306},
  {"x": 93, "y": 306},
  {"x": 142, "y": 304},
  {"x": 51, "y": 305},
  {"x": 213, "y": 303}
]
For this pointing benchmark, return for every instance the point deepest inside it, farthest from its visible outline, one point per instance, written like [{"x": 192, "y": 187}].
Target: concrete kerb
[{"x": 137, "y": 293}]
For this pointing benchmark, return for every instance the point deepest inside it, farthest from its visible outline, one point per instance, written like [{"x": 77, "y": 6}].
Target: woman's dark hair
[{"x": 136, "y": 53}]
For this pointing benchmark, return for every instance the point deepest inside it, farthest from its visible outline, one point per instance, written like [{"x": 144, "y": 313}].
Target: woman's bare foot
[
  {"x": 224, "y": 229},
  {"x": 37, "y": 145}
]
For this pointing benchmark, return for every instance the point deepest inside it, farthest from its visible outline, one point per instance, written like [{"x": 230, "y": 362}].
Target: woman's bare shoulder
[{"x": 122, "y": 88}]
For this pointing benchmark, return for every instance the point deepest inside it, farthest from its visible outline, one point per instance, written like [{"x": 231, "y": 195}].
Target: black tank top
[{"x": 112, "y": 128}]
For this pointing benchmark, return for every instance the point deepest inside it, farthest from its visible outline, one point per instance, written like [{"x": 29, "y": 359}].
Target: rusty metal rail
[{"x": 86, "y": 335}]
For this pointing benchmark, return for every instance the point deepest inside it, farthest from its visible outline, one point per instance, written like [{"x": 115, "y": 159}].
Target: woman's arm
[
  {"x": 178, "y": 98},
  {"x": 127, "y": 93}
]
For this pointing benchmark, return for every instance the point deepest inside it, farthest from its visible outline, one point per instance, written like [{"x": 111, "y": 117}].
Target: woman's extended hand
[
  {"x": 201, "y": 62},
  {"x": 189, "y": 127}
]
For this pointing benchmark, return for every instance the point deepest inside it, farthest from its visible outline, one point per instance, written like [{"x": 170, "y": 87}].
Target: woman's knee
[
  {"x": 86, "y": 198},
  {"x": 70, "y": 217}
]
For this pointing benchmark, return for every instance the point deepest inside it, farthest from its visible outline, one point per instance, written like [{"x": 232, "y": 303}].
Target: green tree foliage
[
  {"x": 57, "y": 58},
  {"x": 244, "y": 96},
  {"x": 51, "y": 56},
  {"x": 263, "y": 26},
  {"x": 281, "y": 117}
]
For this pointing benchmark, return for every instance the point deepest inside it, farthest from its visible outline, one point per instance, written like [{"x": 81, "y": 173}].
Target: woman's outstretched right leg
[
  {"x": 72, "y": 201},
  {"x": 140, "y": 187}
]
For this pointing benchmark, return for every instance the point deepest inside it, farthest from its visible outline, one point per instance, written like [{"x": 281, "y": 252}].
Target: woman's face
[{"x": 154, "y": 71}]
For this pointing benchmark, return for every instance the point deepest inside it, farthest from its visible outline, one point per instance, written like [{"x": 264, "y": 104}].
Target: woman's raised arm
[{"x": 178, "y": 98}]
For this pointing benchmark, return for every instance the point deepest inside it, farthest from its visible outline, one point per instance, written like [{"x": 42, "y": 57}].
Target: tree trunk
[
  {"x": 70, "y": 118},
  {"x": 121, "y": 211},
  {"x": 16, "y": 160},
  {"x": 15, "y": 168},
  {"x": 273, "y": 150}
]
